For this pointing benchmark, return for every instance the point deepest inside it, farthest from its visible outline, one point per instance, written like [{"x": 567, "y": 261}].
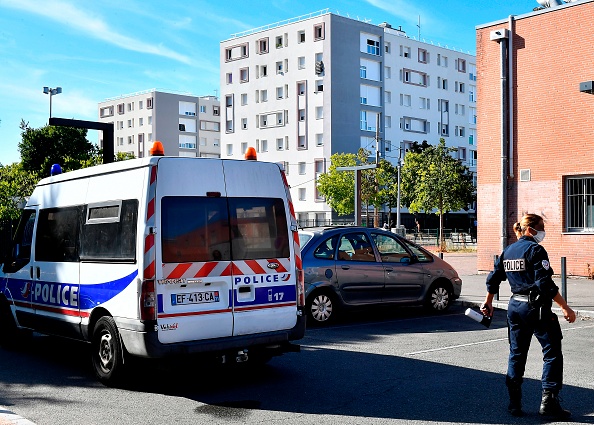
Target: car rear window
[{"x": 198, "y": 229}]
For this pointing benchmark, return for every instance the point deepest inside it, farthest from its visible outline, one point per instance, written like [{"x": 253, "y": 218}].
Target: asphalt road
[{"x": 380, "y": 366}]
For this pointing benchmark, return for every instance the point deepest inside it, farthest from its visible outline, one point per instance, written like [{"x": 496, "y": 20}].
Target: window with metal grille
[{"x": 580, "y": 204}]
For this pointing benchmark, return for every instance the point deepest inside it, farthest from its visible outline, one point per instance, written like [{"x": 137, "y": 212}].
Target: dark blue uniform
[{"x": 525, "y": 264}]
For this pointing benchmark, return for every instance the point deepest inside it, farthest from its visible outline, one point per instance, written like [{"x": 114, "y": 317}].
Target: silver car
[{"x": 356, "y": 266}]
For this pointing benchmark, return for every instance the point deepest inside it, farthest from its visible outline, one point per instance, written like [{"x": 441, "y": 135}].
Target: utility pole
[{"x": 377, "y": 160}]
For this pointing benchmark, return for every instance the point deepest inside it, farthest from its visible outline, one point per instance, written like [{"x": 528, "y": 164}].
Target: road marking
[
  {"x": 470, "y": 344},
  {"x": 9, "y": 418},
  {"x": 482, "y": 342}
]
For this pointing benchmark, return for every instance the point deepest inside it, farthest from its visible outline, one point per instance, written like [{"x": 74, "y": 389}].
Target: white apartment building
[
  {"x": 186, "y": 125},
  {"x": 301, "y": 90}
]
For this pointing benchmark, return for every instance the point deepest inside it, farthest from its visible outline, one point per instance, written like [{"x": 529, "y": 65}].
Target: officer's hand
[
  {"x": 487, "y": 309},
  {"x": 569, "y": 314}
]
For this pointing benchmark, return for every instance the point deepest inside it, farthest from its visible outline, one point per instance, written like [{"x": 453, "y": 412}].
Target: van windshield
[{"x": 198, "y": 229}]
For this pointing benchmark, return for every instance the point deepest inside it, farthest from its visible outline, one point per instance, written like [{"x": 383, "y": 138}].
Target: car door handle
[
  {"x": 38, "y": 272},
  {"x": 345, "y": 267},
  {"x": 389, "y": 269},
  {"x": 31, "y": 272}
]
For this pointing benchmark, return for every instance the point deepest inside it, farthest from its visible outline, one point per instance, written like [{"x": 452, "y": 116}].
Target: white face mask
[{"x": 540, "y": 235}]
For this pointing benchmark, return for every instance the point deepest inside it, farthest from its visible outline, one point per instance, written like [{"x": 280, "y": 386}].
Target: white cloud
[
  {"x": 404, "y": 10},
  {"x": 77, "y": 19}
]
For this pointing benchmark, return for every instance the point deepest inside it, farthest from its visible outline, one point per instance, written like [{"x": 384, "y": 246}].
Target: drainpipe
[
  {"x": 501, "y": 36},
  {"x": 504, "y": 116},
  {"x": 510, "y": 69}
]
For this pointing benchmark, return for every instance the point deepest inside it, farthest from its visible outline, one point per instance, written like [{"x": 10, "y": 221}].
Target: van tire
[
  {"x": 11, "y": 336},
  {"x": 322, "y": 307},
  {"x": 106, "y": 351}
]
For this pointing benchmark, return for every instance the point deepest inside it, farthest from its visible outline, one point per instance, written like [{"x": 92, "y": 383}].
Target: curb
[{"x": 9, "y": 418}]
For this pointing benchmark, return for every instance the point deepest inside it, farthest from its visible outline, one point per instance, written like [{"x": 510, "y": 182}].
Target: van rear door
[
  {"x": 193, "y": 254},
  {"x": 264, "y": 273}
]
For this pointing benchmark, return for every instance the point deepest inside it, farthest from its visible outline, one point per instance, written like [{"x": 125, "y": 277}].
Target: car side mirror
[{"x": 405, "y": 260}]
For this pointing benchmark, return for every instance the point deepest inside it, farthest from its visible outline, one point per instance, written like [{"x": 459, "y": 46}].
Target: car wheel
[
  {"x": 439, "y": 297},
  {"x": 322, "y": 307},
  {"x": 107, "y": 352}
]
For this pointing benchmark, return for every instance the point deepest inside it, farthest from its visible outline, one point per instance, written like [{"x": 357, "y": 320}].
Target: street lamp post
[{"x": 51, "y": 92}]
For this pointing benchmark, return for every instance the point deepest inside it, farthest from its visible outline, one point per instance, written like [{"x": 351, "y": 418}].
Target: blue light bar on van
[
  {"x": 55, "y": 170},
  {"x": 213, "y": 194}
]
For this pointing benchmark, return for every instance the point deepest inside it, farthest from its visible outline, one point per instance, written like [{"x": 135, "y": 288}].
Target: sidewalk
[{"x": 580, "y": 291}]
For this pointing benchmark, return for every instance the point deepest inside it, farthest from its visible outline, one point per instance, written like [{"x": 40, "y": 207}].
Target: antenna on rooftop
[{"x": 419, "y": 27}]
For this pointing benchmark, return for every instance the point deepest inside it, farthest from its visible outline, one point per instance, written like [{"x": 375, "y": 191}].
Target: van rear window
[{"x": 198, "y": 229}]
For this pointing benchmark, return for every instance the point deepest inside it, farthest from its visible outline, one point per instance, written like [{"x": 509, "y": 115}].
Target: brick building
[{"x": 537, "y": 132}]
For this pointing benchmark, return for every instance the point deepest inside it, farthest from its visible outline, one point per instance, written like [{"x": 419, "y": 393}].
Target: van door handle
[
  {"x": 38, "y": 273},
  {"x": 345, "y": 267},
  {"x": 31, "y": 271},
  {"x": 389, "y": 269}
]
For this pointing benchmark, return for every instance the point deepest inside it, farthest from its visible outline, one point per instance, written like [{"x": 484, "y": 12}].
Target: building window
[
  {"x": 301, "y": 142},
  {"x": 319, "y": 112},
  {"x": 216, "y": 142},
  {"x": 460, "y": 87},
  {"x": 215, "y": 110},
  {"x": 229, "y": 149},
  {"x": 388, "y": 120},
  {"x": 424, "y": 103},
  {"x": 301, "y": 114},
  {"x": 363, "y": 71},
  {"x": 318, "y": 32},
  {"x": 150, "y": 120},
  {"x": 263, "y": 145},
  {"x": 140, "y": 122},
  {"x": 262, "y": 45},
  {"x": 319, "y": 85},
  {"x": 279, "y": 41},
  {"x": 301, "y": 37},
  {"x": 244, "y": 123},
  {"x": 387, "y": 72},
  {"x": 388, "y": 97},
  {"x": 264, "y": 95},
  {"x": 106, "y": 111},
  {"x": 279, "y": 67},
  {"x": 461, "y": 65},
  {"x": 229, "y": 78},
  {"x": 131, "y": 123},
  {"x": 149, "y": 103},
  {"x": 301, "y": 168},
  {"x": 320, "y": 139},
  {"x": 130, "y": 140},
  {"x": 244, "y": 75},
  {"x": 373, "y": 47},
  {"x": 405, "y": 51},
  {"x": 280, "y": 144},
  {"x": 580, "y": 204},
  {"x": 459, "y": 131},
  {"x": 121, "y": 109},
  {"x": 387, "y": 47},
  {"x": 279, "y": 92},
  {"x": 301, "y": 62},
  {"x": 442, "y": 60},
  {"x": 405, "y": 100},
  {"x": 203, "y": 109},
  {"x": 423, "y": 55},
  {"x": 244, "y": 99},
  {"x": 471, "y": 93},
  {"x": 471, "y": 115},
  {"x": 319, "y": 169},
  {"x": 203, "y": 141},
  {"x": 130, "y": 106},
  {"x": 301, "y": 88},
  {"x": 229, "y": 100},
  {"x": 462, "y": 154},
  {"x": 302, "y": 194}
]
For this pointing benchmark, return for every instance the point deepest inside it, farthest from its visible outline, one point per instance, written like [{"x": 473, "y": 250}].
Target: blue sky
[{"x": 100, "y": 49}]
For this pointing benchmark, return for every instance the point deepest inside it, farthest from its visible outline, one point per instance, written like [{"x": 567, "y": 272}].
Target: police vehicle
[{"x": 156, "y": 257}]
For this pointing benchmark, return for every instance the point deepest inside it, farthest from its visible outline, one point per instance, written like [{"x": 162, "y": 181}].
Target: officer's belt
[{"x": 520, "y": 297}]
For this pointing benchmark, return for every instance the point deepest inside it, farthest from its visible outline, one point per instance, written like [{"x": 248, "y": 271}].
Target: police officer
[{"x": 525, "y": 264}]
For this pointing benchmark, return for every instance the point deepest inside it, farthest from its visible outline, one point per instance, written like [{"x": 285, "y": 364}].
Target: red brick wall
[{"x": 553, "y": 129}]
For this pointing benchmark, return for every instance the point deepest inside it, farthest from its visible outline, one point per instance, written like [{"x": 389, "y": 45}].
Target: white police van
[{"x": 156, "y": 257}]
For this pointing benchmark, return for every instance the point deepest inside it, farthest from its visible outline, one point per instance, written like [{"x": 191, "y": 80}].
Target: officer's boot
[
  {"x": 515, "y": 400},
  {"x": 550, "y": 405}
]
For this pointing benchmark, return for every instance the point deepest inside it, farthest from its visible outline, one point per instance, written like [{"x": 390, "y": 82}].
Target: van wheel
[
  {"x": 11, "y": 336},
  {"x": 322, "y": 307},
  {"x": 106, "y": 351},
  {"x": 439, "y": 297}
]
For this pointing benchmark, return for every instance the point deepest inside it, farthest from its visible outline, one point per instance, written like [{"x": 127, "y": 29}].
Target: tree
[
  {"x": 338, "y": 187},
  {"x": 40, "y": 148},
  {"x": 434, "y": 180},
  {"x": 16, "y": 184},
  {"x": 387, "y": 177}
]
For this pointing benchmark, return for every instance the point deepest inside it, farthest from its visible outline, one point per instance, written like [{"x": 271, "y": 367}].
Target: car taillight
[
  {"x": 300, "y": 288},
  {"x": 148, "y": 300}
]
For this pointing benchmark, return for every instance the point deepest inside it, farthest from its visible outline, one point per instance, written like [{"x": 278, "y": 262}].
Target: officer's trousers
[{"x": 523, "y": 322}]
